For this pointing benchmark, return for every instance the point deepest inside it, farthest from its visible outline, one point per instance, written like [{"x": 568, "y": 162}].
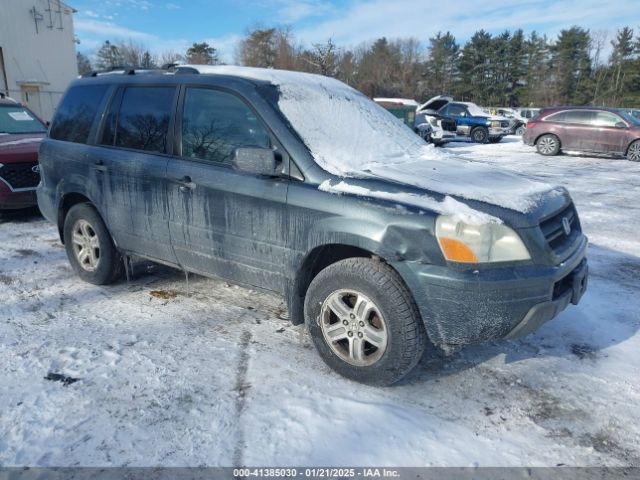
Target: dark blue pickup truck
[{"x": 473, "y": 122}]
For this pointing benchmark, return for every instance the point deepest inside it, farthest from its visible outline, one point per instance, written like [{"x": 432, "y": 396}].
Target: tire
[
  {"x": 84, "y": 231},
  {"x": 633, "y": 152},
  {"x": 548, "y": 145},
  {"x": 391, "y": 321},
  {"x": 479, "y": 135},
  {"x": 520, "y": 130},
  {"x": 495, "y": 139}
]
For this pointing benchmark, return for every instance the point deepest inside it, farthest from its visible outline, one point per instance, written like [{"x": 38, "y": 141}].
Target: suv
[
  {"x": 377, "y": 241},
  {"x": 597, "y": 130},
  {"x": 20, "y": 134},
  {"x": 475, "y": 123}
]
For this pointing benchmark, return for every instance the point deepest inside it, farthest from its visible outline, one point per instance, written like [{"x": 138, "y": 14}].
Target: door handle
[
  {"x": 99, "y": 165},
  {"x": 186, "y": 184}
]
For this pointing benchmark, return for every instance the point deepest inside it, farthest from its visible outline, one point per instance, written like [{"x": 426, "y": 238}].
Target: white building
[{"x": 37, "y": 52}]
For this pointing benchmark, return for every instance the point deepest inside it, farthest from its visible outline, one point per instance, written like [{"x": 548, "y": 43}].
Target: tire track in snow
[{"x": 241, "y": 387}]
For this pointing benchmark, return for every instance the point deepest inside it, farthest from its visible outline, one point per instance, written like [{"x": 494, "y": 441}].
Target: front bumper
[
  {"x": 466, "y": 306},
  {"x": 498, "y": 131}
]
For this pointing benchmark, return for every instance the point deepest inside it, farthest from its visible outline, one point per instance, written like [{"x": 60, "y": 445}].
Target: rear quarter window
[{"x": 75, "y": 115}]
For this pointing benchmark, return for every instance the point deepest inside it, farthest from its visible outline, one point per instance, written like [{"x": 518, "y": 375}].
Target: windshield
[
  {"x": 17, "y": 119},
  {"x": 344, "y": 130},
  {"x": 475, "y": 110},
  {"x": 629, "y": 118}
]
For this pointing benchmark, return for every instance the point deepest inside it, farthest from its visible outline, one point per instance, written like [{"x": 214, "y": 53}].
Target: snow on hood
[
  {"x": 449, "y": 206},
  {"x": 350, "y": 136},
  {"x": 21, "y": 141}
]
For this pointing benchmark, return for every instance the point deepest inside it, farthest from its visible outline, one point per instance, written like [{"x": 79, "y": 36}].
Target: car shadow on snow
[
  {"x": 608, "y": 314},
  {"x": 22, "y": 215}
]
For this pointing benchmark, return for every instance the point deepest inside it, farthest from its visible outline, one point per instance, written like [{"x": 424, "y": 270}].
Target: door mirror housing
[
  {"x": 255, "y": 160},
  {"x": 621, "y": 125}
]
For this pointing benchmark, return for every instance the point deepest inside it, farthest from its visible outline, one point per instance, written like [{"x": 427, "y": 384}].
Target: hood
[
  {"x": 498, "y": 117},
  {"x": 482, "y": 190},
  {"x": 436, "y": 103},
  {"x": 19, "y": 148}
]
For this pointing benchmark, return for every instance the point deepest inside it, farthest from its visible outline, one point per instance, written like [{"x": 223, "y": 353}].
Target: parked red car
[
  {"x": 585, "y": 129},
  {"x": 20, "y": 134}
]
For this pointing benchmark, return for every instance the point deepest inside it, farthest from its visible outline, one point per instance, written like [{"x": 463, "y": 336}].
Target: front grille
[
  {"x": 20, "y": 175},
  {"x": 553, "y": 228},
  {"x": 448, "y": 125}
]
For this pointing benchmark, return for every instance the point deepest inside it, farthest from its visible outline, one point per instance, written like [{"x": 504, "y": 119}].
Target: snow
[
  {"x": 352, "y": 137},
  {"x": 449, "y": 206},
  {"x": 21, "y": 141},
  {"x": 404, "y": 101},
  {"x": 208, "y": 374}
]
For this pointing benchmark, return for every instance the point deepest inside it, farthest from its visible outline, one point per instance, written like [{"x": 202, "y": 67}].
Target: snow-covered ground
[{"x": 206, "y": 373}]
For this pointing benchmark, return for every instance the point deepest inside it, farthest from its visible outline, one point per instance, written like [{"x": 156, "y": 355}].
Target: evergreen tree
[
  {"x": 622, "y": 63},
  {"x": 571, "y": 67},
  {"x": 201, "y": 54},
  {"x": 109, "y": 57},
  {"x": 84, "y": 64},
  {"x": 474, "y": 66},
  {"x": 441, "y": 68}
]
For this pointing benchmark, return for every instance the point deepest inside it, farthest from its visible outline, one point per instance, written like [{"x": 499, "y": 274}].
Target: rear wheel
[
  {"x": 633, "y": 152},
  {"x": 364, "y": 322},
  {"x": 479, "y": 135},
  {"x": 89, "y": 246},
  {"x": 548, "y": 145},
  {"x": 520, "y": 130}
]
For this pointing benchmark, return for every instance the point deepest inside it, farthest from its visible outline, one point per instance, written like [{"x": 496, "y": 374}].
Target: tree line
[{"x": 577, "y": 67}]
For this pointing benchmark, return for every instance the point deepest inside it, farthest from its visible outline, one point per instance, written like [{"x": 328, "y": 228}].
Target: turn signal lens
[{"x": 456, "y": 251}]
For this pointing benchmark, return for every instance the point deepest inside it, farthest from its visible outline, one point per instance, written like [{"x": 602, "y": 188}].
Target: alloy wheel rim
[
  {"x": 634, "y": 152},
  {"x": 353, "y": 327},
  {"x": 86, "y": 245},
  {"x": 547, "y": 145}
]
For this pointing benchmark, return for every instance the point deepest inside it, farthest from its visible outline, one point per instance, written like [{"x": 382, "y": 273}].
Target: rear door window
[
  {"x": 139, "y": 117},
  {"x": 215, "y": 123},
  {"x": 582, "y": 117},
  {"x": 77, "y": 112}
]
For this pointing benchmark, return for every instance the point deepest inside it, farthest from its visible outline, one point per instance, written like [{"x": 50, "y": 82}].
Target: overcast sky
[{"x": 174, "y": 25}]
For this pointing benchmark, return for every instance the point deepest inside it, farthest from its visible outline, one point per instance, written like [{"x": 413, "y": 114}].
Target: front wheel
[
  {"x": 633, "y": 152},
  {"x": 479, "y": 135},
  {"x": 548, "y": 145},
  {"x": 89, "y": 246},
  {"x": 364, "y": 322}
]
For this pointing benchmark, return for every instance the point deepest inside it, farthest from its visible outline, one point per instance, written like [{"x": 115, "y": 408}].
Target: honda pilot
[{"x": 379, "y": 242}]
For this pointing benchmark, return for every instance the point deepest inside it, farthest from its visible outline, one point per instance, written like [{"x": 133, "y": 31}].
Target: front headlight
[
  {"x": 433, "y": 122},
  {"x": 490, "y": 242}
]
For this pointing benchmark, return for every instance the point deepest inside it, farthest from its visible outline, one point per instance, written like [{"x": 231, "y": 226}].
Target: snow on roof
[
  {"x": 403, "y": 101},
  {"x": 350, "y": 136}
]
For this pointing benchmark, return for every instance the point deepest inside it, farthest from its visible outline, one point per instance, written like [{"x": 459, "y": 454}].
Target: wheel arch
[
  {"x": 67, "y": 201},
  {"x": 316, "y": 260},
  {"x": 535, "y": 142},
  {"x": 626, "y": 150}
]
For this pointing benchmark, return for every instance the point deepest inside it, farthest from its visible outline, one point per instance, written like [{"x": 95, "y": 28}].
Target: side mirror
[
  {"x": 621, "y": 125},
  {"x": 255, "y": 160}
]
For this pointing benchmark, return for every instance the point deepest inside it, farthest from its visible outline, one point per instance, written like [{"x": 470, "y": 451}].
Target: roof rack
[{"x": 169, "y": 68}]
